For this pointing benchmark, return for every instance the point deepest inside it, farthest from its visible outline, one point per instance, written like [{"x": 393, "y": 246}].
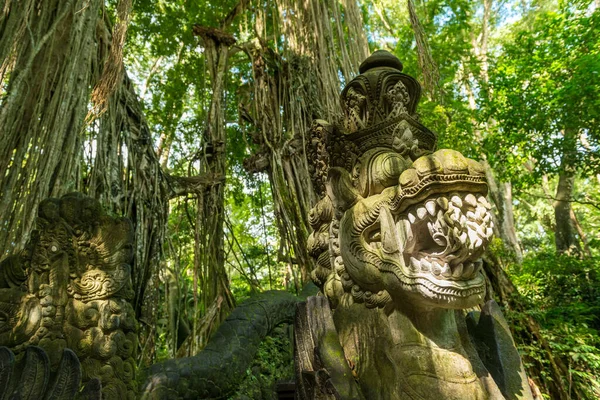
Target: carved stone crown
[{"x": 380, "y": 110}]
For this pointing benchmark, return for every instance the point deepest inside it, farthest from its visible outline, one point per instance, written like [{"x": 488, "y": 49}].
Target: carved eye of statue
[
  {"x": 54, "y": 247},
  {"x": 384, "y": 170}
]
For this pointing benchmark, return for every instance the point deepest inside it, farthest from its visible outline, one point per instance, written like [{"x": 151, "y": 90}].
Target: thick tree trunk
[
  {"x": 282, "y": 158},
  {"x": 291, "y": 89},
  {"x": 501, "y": 195},
  {"x": 132, "y": 184},
  {"x": 49, "y": 49},
  {"x": 429, "y": 69},
  {"x": 209, "y": 259},
  {"x": 565, "y": 231}
]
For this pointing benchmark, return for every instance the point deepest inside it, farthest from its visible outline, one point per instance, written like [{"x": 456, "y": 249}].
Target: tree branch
[
  {"x": 582, "y": 202},
  {"x": 183, "y": 185},
  {"x": 237, "y": 10}
]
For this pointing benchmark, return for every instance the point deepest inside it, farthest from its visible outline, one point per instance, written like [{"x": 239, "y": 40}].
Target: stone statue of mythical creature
[
  {"x": 69, "y": 289},
  {"x": 398, "y": 239}
]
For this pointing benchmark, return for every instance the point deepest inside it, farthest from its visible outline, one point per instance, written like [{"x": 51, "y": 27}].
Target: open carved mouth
[
  {"x": 446, "y": 235},
  {"x": 441, "y": 240}
]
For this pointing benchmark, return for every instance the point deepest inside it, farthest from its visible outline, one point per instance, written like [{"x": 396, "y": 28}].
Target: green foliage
[
  {"x": 540, "y": 77},
  {"x": 274, "y": 362},
  {"x": 252, "y": 238},
  {"x": 545, "y": 82},
  {"x": 563, "y": 294}
]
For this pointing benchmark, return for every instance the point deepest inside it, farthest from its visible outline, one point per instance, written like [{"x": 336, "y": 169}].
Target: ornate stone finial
[
  {"x": 380, "y": 58},
  {"x": 382, "y": 94}
]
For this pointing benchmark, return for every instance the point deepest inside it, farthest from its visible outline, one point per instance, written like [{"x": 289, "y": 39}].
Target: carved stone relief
[
  {"x": 71, "y": 289},
  {"x": 398, "y": 238}
]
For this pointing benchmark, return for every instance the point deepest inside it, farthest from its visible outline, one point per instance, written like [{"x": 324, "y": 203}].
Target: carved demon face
[
  {"x": 419, "y": 240},
  {"x": 400, "y": 221}
]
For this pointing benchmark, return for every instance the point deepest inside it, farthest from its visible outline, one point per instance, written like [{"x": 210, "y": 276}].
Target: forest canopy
[{"x": 191, "y": 119}]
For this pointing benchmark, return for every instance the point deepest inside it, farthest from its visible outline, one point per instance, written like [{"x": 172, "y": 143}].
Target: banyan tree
[{"x": 391, "y": 291}]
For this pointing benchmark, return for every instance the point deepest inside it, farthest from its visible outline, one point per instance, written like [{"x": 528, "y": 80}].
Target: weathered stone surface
[
  {"x": 30, "y": 377},
  {"x": 497, "y": 350},
  {"x": 398, "y": 238},
  {"x": 217, "y": 370},
  {"x": 71, "y": 289}
]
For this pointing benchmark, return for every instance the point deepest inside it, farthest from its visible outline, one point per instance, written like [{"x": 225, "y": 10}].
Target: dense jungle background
[{"x": 190, "y": 118}]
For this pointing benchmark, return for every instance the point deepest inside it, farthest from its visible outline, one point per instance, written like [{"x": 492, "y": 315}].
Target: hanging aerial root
[{"x": 113, "y": 66}]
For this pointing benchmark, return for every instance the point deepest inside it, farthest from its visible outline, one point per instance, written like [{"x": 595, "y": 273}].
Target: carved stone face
[
  {"x": 419, "y": 240},
  {"x": 72, "y": 288},
  {"x": 406, "y": 223}
]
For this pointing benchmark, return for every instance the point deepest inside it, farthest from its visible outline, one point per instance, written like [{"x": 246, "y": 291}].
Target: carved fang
[{"x": 389, "y": 239}]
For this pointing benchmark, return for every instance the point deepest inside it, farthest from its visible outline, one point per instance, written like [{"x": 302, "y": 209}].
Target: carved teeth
[
  {"x": 411, "y": 218},
  {"x": 443, "y": 203},
  {"x": 457, "y": 271},
  {"x": 425, "y": 265},
  {"x": 436, "y": 268},
  {"x": 489, "y": 232},
  {"x": 456, "y": 214},
  {"x": 448, "y": 219},
  {"x": 471, "y": 200},
  {"x": 431, "y": 227},
  {"x": 421, "y": 212},
  {"x": 468, "y": 270},
  {"x": 483, "y": 200},
  {"x": 430, "y": 206},
  {"x": 446, "y": 271},
  {"x": 480, "y": 231},
  {"x": 456, "y": 201},
  {"x": 415, "y": 264},
  {"x": 473, "y": 235}
]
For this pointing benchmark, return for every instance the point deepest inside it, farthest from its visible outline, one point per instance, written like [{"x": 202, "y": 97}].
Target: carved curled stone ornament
[
  {"x": 71, "y": 289},
  {"x": 398, "y": 238}
]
